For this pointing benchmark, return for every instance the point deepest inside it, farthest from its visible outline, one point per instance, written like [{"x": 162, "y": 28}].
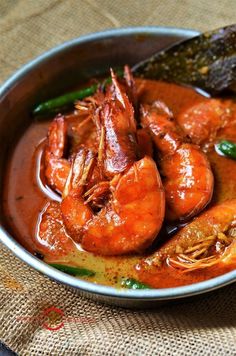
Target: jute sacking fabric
[{"x": 28, "y": 300}]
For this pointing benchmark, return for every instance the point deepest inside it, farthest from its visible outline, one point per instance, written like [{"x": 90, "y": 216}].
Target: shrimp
[
  {"x": 120, "y": 227},
  {"x": 117, "y": 129},
  {"x": 133, "y": 211},
  {"x": 82, "y": 133},
  {"x": 187, "y": 176},
  {"x": 56, "y": 167},
  {"x": 209, "y": 239},
  {"x": 203, "y": 121}
]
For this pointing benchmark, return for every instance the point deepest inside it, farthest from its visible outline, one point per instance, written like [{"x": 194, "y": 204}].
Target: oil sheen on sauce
[{"x": 25, "y": 196}]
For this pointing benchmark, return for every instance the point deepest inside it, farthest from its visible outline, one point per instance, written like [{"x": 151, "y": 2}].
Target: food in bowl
[{"x": 134, "y": 188}]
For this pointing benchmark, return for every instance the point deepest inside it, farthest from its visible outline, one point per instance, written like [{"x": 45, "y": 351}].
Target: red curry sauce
[{"x": 25, "y": 196}]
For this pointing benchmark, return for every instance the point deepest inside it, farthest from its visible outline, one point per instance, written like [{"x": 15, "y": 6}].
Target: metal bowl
[{"x": 49, "y": 75}]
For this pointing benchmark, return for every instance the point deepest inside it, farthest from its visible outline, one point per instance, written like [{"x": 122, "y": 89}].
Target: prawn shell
[
  {"x": 135, "y": 215},
  {"x": 56, "y": 167},
  {"x": 202, "y": 121},
  {"x": 188, "y": 182},
  {"x": 215, "y": 220}
]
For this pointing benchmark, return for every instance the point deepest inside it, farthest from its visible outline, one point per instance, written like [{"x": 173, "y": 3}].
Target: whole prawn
[
  {"x": 209, "y": 239},
  {"x": 133, "y": 210},
  {"x": 82, "y": 131},
  {"x": 56, "y": 165},
  {"x": 187, "y": 175},
  {"x": 206, "y": 121}
]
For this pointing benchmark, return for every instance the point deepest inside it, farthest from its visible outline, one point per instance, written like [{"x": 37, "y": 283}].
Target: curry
[{"x": 135, "y": 188}]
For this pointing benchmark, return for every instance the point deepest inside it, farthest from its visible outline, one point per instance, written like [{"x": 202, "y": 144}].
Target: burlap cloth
[{"x": 206, "y": 326}]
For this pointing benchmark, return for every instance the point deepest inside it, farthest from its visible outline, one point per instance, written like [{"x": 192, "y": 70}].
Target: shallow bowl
[{"x": 53, "y": 73}]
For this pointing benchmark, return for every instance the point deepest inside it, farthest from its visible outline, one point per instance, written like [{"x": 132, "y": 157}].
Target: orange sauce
[{"x": 25, "y": 196}]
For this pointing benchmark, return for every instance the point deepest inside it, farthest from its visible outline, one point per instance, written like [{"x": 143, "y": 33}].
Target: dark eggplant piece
[{"x": 207, "y": 61}]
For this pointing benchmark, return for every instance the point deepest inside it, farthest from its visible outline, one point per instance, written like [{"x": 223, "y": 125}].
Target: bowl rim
[{"x": 86, "y": 286}]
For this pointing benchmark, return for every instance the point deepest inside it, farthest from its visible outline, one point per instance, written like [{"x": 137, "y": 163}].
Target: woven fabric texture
[{"x": 203, "y": 326}]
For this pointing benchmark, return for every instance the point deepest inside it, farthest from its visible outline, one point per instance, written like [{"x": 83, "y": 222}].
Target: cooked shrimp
[
  {"x": 209, "y": 239},
  {"x": 143, "y": 137},
  {"x": 56, "y": 167},
  {"x": 117, "y": 130},
  {"x": 203, "y": 121},
  {"x": 228, "y": 131},
  {"x": 82, "y": 131},
  {"x": 120, "y": 226},
  {"x": 187, "y": 176}
]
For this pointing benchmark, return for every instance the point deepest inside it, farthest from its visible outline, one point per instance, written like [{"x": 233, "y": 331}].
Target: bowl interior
[{"x": 54, "y": 73}]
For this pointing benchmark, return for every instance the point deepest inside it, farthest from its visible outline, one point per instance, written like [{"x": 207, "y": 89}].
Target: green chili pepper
[
  {"x": 228, "y": 148},
  {"x": 73, "y": 271},
  {"x": 66, "y": 100},
  {"x": 132, "y": 283}
]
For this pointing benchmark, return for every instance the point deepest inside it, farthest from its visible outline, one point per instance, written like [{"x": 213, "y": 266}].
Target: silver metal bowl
[{"x": 49, "y": 75}]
